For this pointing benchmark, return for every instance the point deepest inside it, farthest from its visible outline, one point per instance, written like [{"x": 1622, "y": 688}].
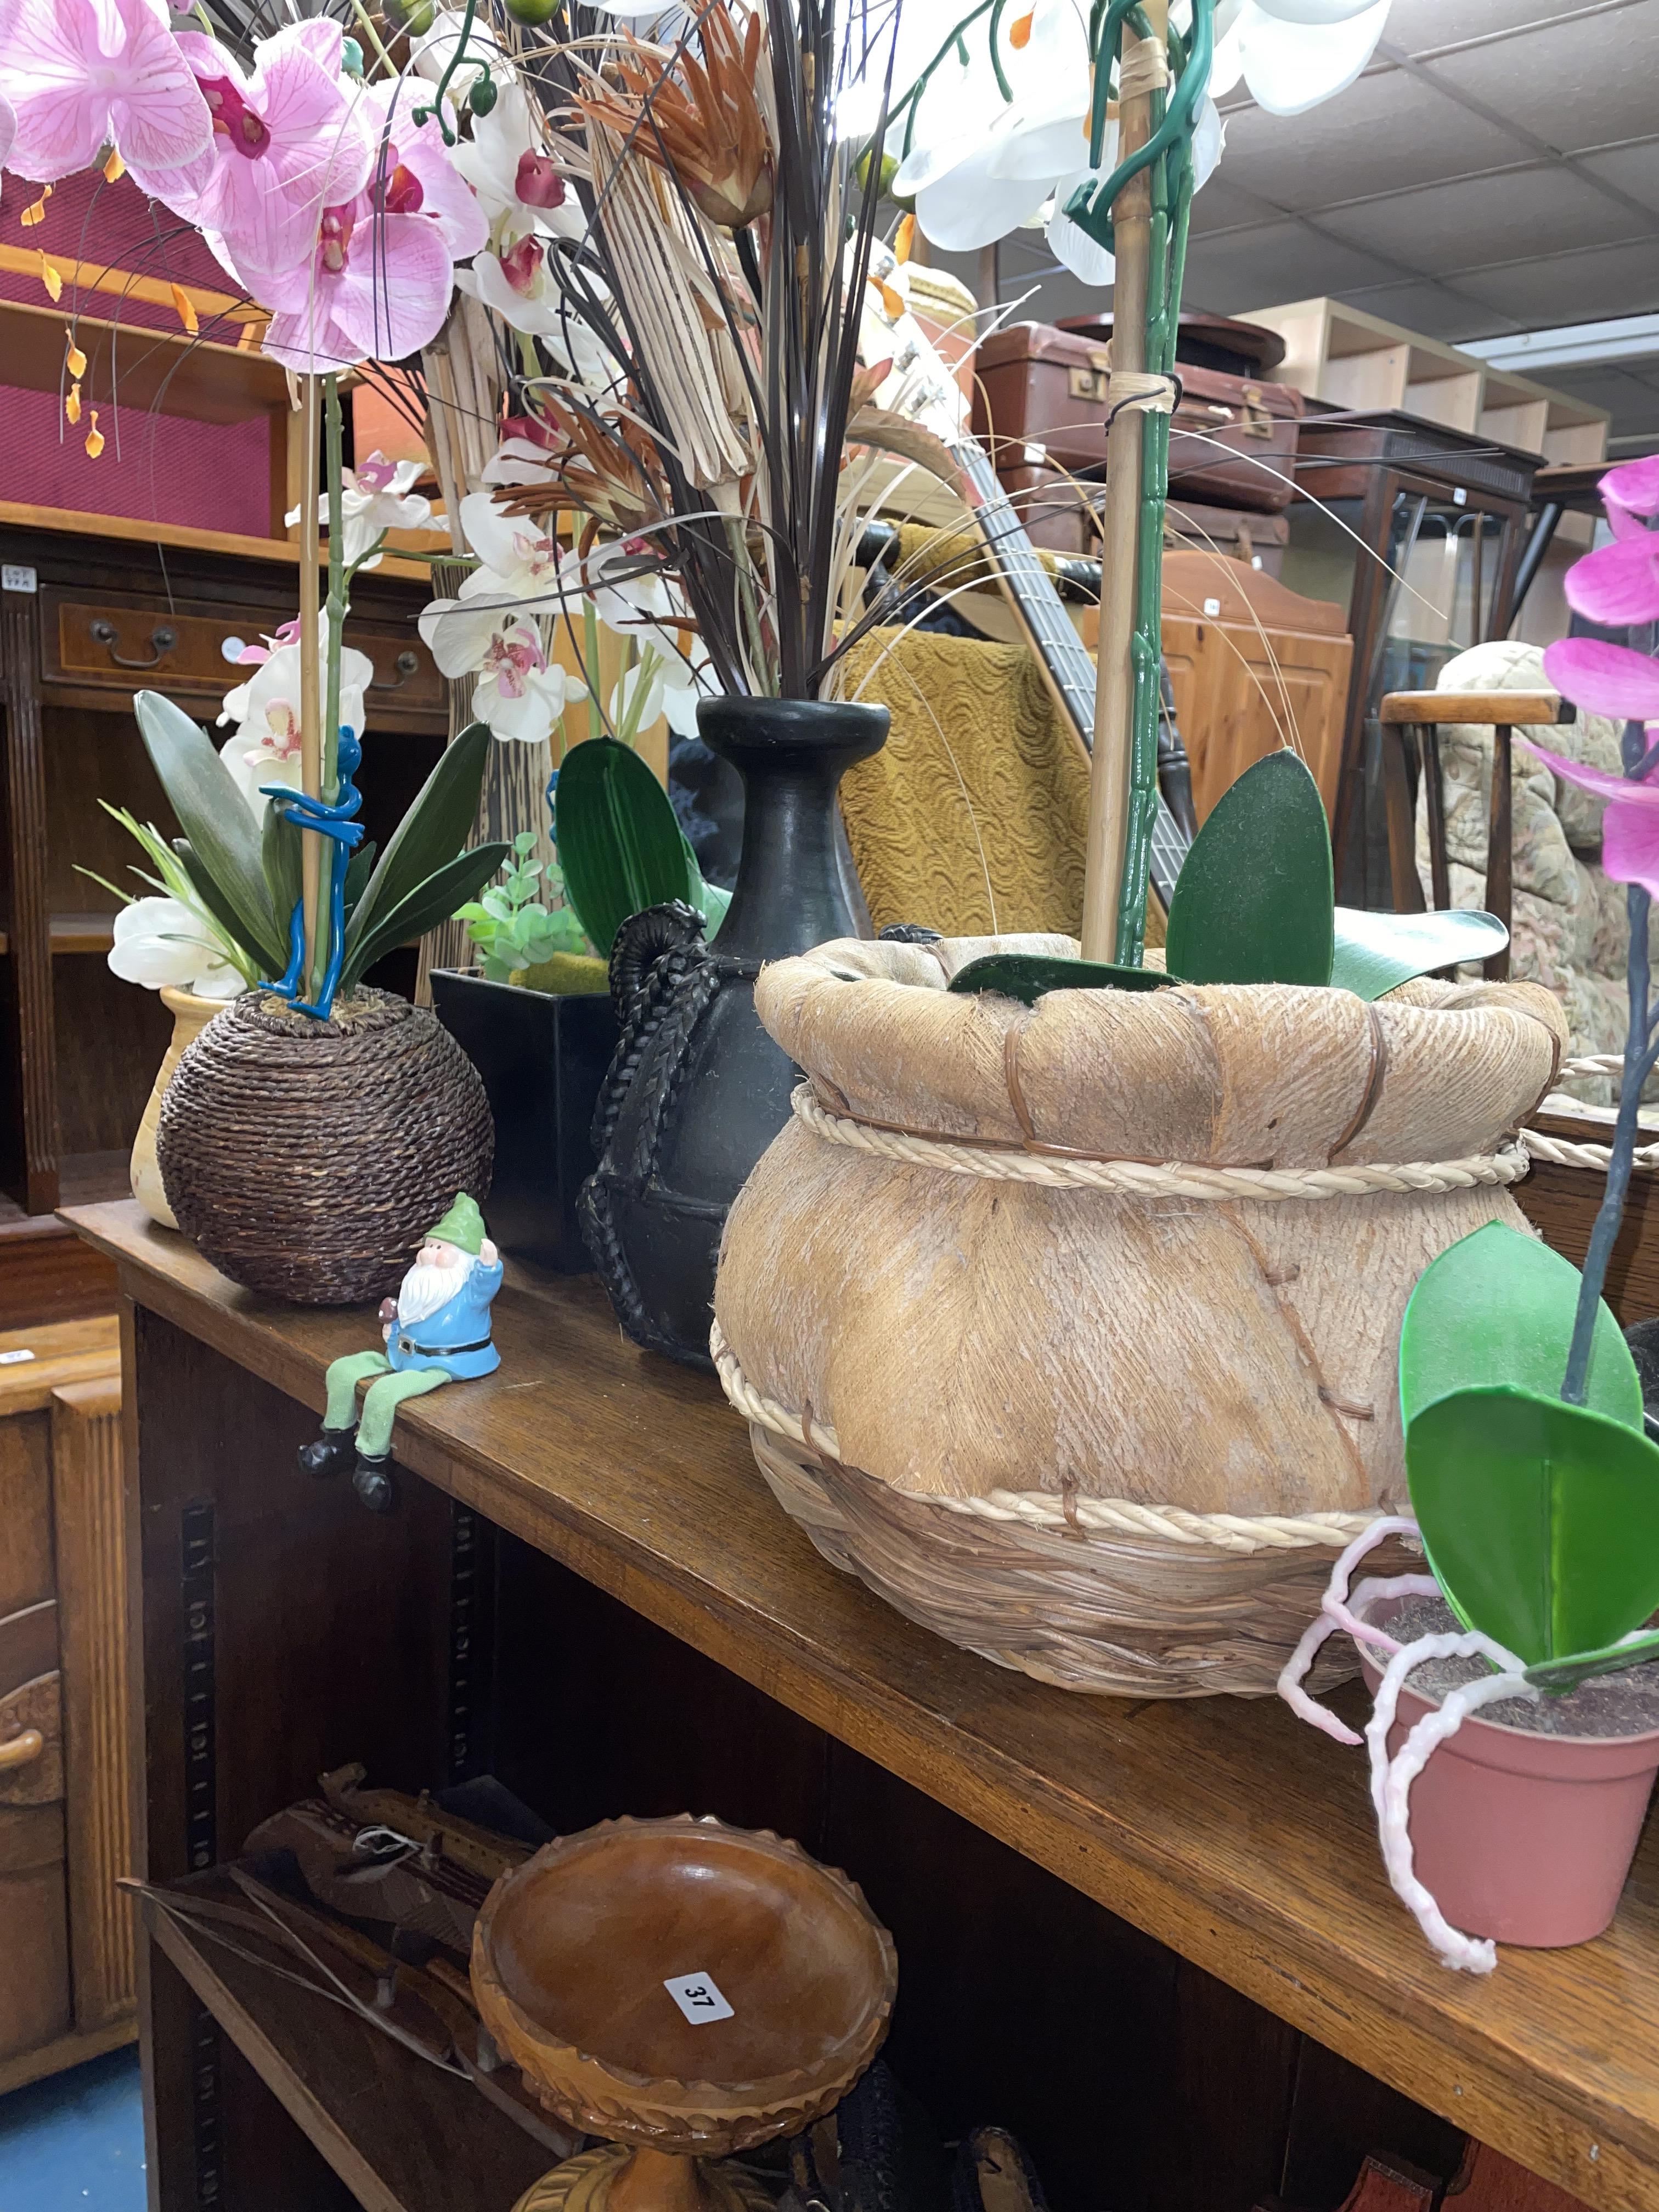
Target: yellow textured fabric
[{"x": 972, "y": 817}]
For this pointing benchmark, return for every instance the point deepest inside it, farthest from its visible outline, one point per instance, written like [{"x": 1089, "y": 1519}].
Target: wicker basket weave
[
  {"x": 1072, "y": 1329},
  {"x": 308, "y": 1159}
]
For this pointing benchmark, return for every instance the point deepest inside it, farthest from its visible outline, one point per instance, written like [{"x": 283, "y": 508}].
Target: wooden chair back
[{"x": 1412, "y": 720}]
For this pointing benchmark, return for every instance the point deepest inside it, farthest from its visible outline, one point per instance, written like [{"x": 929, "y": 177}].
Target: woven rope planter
[
  {"x": 1072, "y": 1329},
  {"x": 308, "y": 1159}
]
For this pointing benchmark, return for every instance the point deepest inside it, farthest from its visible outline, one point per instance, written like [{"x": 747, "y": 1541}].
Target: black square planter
[{"x": 542, "y": 1060}]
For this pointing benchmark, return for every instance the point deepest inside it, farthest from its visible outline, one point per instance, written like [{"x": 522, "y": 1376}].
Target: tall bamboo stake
[
  {"x": 311, "y": 678},
  {"x": 1108, "y": 789}
]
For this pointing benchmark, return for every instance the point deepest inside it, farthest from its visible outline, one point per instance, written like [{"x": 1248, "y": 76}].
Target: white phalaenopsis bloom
[
  {"x": 161, "y": 943},
  {"x": 519, "y": 692},
  {"x": 266, "y": 747},
  {"x": 1291, "y": 54},
  {"x": 376, "y": 496},
  {"x": 521, "y": 565},
  {"x": 993, "y": 144}
]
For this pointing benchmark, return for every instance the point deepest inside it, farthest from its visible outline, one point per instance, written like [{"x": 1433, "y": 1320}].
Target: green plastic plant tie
[
  {"x": 437, "y": 106},
  {"x": 1089, "y": 206}
]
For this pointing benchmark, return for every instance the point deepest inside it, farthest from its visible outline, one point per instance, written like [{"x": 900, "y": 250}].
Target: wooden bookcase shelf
[
  {"x": 402, "y": 2135},
  {"x": 1220, "y": 1827}
]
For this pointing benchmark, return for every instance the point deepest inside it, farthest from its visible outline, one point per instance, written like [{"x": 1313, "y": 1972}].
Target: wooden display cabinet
[
  {"x": 66, "y": 1985},
  {"x": 92, "y": 609}
]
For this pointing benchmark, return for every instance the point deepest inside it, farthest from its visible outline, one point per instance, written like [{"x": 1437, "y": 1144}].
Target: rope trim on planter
[
  {"x": 1117, "y": 1516},
  {"x": 1562, "y": 1152},
  {"x": 996, "y": 1163}
]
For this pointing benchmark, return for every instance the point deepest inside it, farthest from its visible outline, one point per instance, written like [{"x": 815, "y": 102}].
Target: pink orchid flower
[
  {"x": 81, "y": 74},
  {"x": 1629, "y": 828},
  {"x": 1619, "y": 584},
  {"x": 285, "y": 141},
  {"x": 8, "y": 129},
  {"x": 378, "y": 284}
]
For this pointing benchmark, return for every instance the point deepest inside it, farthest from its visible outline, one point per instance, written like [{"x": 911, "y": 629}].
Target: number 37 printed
[{"x": 698, "y": 1998}]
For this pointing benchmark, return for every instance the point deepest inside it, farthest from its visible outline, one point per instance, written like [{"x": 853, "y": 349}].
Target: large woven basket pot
[
  {"x": 1072, "y": 1328},
  {"x": 308, "y": 1159}
]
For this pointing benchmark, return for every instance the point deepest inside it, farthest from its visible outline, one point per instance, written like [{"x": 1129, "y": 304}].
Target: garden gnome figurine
[{"x": 436, "y": 1330}]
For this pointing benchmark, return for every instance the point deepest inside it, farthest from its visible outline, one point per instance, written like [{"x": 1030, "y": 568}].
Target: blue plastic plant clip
[{"x": 325, "y": 821}]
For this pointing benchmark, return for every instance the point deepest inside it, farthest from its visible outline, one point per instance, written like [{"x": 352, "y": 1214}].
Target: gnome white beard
[{"x": 425, "y": 1289}]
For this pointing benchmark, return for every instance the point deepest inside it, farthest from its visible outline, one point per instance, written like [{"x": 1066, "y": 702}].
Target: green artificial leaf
[
  {"x": 1498, "y": 1306},
  {"x": 620, "y": 846},
  {"x": 210, "y": 897},
  {"x": 432, "y": 834},
  {"x": 428, "y": 904},
  {"x": 1027, "y": 976},
  {"x": 1559, "y": 1676},
  {"x": 280, "y": 859},
  {"x": 1374, "y": 952},
  {"x": 218, "y": 823},
  {"x": 1256, "y": 897},
  {"x": 1540, "y": 1519},
  {"x": 359, "y": 869}
]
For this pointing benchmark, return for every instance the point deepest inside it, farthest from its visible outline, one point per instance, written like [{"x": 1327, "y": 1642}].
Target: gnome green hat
[{"x": 462, "y": 1226}]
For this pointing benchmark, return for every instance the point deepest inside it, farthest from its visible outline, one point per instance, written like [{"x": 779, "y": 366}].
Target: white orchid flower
[
  {"x": 521, "y": 565},
  {"x": 266, "y": 747},
  {"x": 1292, "y": 54},
  {"x": 520, "y": 694},
  {"x": 519, "y": 187},
  {"x": 980, "y": 163},
  {"x": 377, "y": 496},
  {"x": 161, "y": 943},
  {"x": 521, "y": 284},
  {"x": 646, "y": 607}
]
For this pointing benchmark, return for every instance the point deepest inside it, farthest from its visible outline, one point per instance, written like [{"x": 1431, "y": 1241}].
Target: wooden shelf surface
[
  {"x": 1222, "y": 1827},
  {"x": 402, "y": 2135}
]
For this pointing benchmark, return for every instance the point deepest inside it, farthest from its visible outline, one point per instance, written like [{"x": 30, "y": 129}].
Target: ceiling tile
[
  {"x": 1222, "y": 206},
  {"x": 1616, "y": 389},
  {"x": 1633, "y": 170},
  {"x": 1587, "y": 81},
  {"x": 1384, "y": 133},
  {"x": 1420, "y": 26},
  {"x": 1242, "y": 268},
  {"x": 1435, "y": 310},
  {"x": 1467, "y": 222},
  {"x": 1572, "y": 287}
]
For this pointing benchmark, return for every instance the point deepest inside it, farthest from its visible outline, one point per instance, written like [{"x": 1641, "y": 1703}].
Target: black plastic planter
[{"x": 543, "y": 1060}]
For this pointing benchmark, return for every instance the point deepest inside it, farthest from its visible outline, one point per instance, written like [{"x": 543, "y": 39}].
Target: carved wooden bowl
[{"x": 785, "y": 1982}]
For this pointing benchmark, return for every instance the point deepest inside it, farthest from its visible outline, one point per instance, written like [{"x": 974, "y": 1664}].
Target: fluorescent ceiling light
[{"x": 1579, "y": 345}]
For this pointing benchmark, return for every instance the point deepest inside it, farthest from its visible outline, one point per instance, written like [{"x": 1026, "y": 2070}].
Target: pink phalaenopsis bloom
[
  {"x": 81, "y": 74},
  {"x": 1619, "y": 584},
  {"x": 1629, "y": 828},
  {"x": 379, "y": 283},
  {"x": 287, "y": 141}
]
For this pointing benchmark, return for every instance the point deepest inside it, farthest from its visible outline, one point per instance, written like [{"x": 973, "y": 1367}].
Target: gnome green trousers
[{"x": 383, "y": 1399}]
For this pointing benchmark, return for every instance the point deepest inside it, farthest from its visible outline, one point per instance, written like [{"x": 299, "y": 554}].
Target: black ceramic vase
[{"x": 697, "y": 1090}]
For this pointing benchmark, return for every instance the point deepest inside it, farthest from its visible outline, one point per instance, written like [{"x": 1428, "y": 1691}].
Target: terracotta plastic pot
[{"x": 1523, "y": 1837}]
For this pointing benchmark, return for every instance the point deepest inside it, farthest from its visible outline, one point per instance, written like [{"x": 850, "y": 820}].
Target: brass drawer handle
[
  {"x": 407, "y": 664},
  {"x": 23, "y": 1750},
  {"x": 161, "y": 641}
]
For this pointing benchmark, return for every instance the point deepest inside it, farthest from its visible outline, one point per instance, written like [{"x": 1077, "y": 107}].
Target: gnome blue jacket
[{"x": 457, "y": 1337}]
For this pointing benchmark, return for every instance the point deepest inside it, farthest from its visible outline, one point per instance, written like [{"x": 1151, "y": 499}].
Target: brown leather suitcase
[{"x": 1039, "y": 387}]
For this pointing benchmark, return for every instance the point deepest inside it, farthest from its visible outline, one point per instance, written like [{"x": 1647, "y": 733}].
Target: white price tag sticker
[
  {"x": 697, "y": 1998},
  {"x": 16, "y": 578},
  {"x": 15, "y": 1358}
]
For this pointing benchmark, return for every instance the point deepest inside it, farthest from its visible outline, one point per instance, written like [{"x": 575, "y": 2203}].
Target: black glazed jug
[{"x": 697, "y": 1090}]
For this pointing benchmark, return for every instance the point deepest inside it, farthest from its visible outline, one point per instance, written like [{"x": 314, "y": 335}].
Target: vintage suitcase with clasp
[{"x": 1232, "y": 437}]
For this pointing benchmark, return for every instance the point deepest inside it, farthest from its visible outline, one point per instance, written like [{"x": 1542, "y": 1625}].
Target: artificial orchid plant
[{"x": 1534, "y": 1482}]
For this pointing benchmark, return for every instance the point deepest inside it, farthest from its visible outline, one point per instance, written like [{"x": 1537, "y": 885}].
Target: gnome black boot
[
  {"x": 334, "y": 1452},
  {"x": 372, "y": 1480}
]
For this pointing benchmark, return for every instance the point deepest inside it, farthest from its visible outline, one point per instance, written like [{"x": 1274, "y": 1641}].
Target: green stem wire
[{"x": 338, "y": 582}]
